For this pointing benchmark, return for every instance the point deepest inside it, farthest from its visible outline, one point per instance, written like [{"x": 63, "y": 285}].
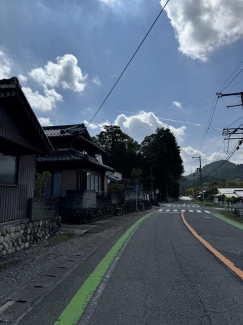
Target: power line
[
  {"x": 225, "y": 85},
  {"x": 232, "y": 80},
  {"x": 224, "y": 161},
  {"x": 141, "y": 43},
  {"x": 220, "y": 89},
  {"x": 209, "y": 122}
]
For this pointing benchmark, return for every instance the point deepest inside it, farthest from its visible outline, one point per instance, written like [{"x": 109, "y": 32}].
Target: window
[
  {"x": 8, "y": 169},
  {"x": 57, "y": 184},
  {"x": 88, "y": 181},
  {"x": 94, "y": 182}
]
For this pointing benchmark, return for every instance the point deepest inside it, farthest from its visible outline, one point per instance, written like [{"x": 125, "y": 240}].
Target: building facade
[
  {"x": 75, "y": 164},
  {"x": 21, "y": 139}
]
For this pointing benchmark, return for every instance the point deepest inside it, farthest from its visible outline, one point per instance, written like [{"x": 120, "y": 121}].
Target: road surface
[{"x": 162, "y": 276}]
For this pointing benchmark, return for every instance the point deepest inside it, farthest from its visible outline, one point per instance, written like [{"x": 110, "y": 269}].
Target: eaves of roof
[
  {"x": 71, "y": 155},
  {"x": 12, "y": 88}
]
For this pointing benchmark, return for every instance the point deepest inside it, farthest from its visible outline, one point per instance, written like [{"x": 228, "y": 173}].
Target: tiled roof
[
  {"x": 65, "y": 155},
  {"x": 12, "y": 88},
  {"x": 62, "y": 155},
  {"x": 58, "y": 131},
  {"x": 64, "y": 130}
]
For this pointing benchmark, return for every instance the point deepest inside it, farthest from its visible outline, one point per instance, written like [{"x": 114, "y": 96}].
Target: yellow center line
[{"x": 221, "y": 257}]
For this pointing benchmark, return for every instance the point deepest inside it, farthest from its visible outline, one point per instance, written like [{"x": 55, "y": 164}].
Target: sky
[{"x": 68, "y": 54}]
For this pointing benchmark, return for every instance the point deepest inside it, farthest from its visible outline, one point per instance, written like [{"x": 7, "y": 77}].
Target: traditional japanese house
[
  {"x": 21, "y": 139},
  {"x": 76, "y": 162}
]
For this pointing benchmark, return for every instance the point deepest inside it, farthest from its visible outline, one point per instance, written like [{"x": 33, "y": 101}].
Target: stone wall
[
  {"x": 43, "y": 207},
  {"x": 80, "y": 216},
  {"x": 22, "y": 234}
]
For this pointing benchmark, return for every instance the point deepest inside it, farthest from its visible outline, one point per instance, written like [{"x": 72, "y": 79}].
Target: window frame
[{"x": 16, "y": 176}]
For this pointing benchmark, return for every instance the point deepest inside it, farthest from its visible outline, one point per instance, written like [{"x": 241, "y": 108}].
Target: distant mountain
[
  {"x": 222, "y": 170},
  {"x": 218, "y": 171}
]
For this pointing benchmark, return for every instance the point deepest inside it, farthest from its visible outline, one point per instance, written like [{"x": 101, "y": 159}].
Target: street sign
[{"x": 157, "y": 191}]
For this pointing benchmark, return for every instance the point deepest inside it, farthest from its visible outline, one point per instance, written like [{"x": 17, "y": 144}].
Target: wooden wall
[{"x": 14, "y": 199}]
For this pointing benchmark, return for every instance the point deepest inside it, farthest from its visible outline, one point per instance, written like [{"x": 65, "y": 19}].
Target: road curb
[{"x": 227, "y": 220}]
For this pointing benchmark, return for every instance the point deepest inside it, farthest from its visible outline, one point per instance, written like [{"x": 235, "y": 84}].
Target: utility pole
[
  {"x": 201, "y": 178},
  {"x": 167, "y": 193},
  {"x": 233, "y": 132},
  {"x": 194, "y": 186},
  {"x": 232, "y": 94},
  {"x": 151, "y": 175}
]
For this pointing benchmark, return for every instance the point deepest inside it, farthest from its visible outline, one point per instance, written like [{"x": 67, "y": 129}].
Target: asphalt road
[{"x": 164, "y": 276}]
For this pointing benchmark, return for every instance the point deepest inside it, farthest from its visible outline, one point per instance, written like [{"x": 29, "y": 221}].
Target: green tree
[
  {"x": 40, "y": 182},
  {"x": 137, "y": 174},
  {"x": 122, "y": 151},
  {"x": 161, "y": 159}
]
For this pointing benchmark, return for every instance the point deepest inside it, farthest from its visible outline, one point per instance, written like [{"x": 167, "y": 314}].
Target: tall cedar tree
[
  {"x": 122, "y": 150},
  {"x": 161, "y": 156}
]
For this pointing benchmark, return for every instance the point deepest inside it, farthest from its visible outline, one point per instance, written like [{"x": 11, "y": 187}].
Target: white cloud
[
  {"x": 202, "y": 26},
  {"x": 124, "y": 6},
  {"x": 65, "y": 73},
  {"x": 44, "y": 121},
  {"x": 92, "y": 126},
  {"x": 177, "y": 104},
  {"x": 40, "y": 102},
  {"x": 22, "y": 78},
  {"x": 96, "y": 81},
  {"x": 140, "y": 125},
  {"x": 188, "y": 152},
  {"x": 5, "y": 66}
]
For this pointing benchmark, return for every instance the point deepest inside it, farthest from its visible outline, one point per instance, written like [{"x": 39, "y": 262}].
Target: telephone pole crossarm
[{"x": 220, "y": 95}]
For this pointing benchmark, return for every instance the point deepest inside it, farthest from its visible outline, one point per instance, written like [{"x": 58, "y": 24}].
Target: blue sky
[{"x": 68, "y": 54}]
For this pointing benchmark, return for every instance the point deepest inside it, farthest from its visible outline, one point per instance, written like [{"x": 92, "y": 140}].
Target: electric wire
[
  {"x": 141, "y": 43},
  {"x": 224, "y": 161}
]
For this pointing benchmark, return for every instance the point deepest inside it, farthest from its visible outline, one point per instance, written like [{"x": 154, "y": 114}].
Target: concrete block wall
[
  {"x": 43, "y": 207},
  {"x": 131, "y": 194},
  {"x": 79, "y": 200}
]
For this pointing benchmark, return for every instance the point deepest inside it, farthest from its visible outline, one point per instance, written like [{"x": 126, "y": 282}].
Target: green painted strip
[
  {"x": 229, "y": 221},
  {"x": 77, "y": 305}
]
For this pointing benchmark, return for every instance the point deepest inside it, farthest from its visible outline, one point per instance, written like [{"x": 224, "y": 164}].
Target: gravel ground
[{"x": 17, "y": 269}]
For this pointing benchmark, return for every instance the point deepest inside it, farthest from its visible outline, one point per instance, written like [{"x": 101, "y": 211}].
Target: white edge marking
[
  {"x": 92, "y": 305},
  {"x": 198, "y": 211},
  {"x": 190, "y": 210}
]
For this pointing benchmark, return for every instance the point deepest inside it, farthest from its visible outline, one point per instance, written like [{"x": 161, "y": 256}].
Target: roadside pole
[{"x": 201, "y": 178}]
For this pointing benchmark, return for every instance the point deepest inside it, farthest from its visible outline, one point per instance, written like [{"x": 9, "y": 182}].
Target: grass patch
[
  {"x": 231, "y": 216},
  {"x": 208, "y": 204},
  {"x": 55, "y": 240}
]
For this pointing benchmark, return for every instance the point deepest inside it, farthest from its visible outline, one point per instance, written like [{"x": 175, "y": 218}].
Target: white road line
[
  {"x": 167, "y": 210},
  {"x": 190, "y": 210},
  {"x": 207, "y": 211},
  {"x": 193, "y": 206},
  {"x": 198, "y": 211},
  {"x": 160, "y": 210},
  {"x": 175, "y": 210},
  {"x": 207, "y": 217},
  {"x": 183, "y": 210}
]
